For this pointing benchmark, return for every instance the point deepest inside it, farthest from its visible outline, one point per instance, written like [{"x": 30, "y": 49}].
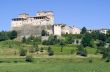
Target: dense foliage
[
  {"x": 7, "y": 35},
  {"x": 32, "y": 40},
  {"x": 94, "y": 39},
  {"x": 50, "y": 51},
  {"x": 81, "y": 51},
  {"x": 29, "y": 58},
  {"x": 23, "y": 52},
  {"x": 52, "y": 40}
]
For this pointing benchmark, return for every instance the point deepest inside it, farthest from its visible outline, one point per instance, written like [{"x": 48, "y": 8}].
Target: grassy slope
[
  {"x": 61, "y": 62},
  {"x": 12, "y": 47},
  {"x": 56, "y": 65}
]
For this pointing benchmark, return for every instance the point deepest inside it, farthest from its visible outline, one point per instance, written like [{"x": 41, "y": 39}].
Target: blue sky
[{"x": 93, "y": 14}]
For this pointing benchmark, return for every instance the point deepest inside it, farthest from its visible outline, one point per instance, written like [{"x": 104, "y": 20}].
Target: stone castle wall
[
  {"x": 27, "y": 25},
  {"x": 28, "y": 30}
]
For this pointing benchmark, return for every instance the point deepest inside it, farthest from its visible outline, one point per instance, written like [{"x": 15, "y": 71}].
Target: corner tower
[{"x": 48, "y": 14}]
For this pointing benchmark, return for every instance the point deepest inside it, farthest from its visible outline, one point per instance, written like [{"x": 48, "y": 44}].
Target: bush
[
  {"x": 24, "y": 39},
  {"x": 37, "y": 49},
  {"x": 45, "y": 42},
  {"x": 41, "y": 50},
  {"x": 15, "y": 61},
  {"x": 107, "y": 60},
  {"x": 13, "y": 34},
  {"x": 90, "y": 61},
  {"x": 29, "y": 58},
  {"x": 72, "y": 51},
  {"x": 81, "y": 51},
  {"x": 32, "y": 50},
  {"x": 52, "y": 40},
  {"x": 50, "y": 52},
  {"x": 23, "y": 52},
  {"x": 44, "y": 33}
]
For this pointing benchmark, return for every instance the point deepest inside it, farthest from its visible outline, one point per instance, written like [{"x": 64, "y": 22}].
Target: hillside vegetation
[{"x": 85, "y": 52}]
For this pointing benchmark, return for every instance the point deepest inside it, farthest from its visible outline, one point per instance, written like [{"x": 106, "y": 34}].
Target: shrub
[
  {"x": 49, "y": 49},
  {"x": 29, "y": 58},
  {"x": 23, "y": 52},
  {"x": 81, "y": 51},
  {"x": 41, "y": 50},
  {"x": 36, "y": 49},
  {"x": 50, "y": 52},
  {"x": 72, "y": 51},
  {"x": 107, "y": 60},
  {"x": 52, "y": 40},
  {"x": 15, "y": 61},
  {"x": 90, "y": 61},
  {"x": 45, "y": 42},
  {"x": 32, "y": 50},
  {"x": 44, "y": 33},
  {"x": 13, "y": 34},
  {"x": 24, "y": 39}
]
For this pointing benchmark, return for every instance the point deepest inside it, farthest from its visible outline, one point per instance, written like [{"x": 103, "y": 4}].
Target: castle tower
[
  {"x": 27, "y": 25},
  {"x": 48, "y": 14},
  {"x": 18, "y": 22},
  {"x": 57, "y": 29},
  {"x": 23, "y": 15}
]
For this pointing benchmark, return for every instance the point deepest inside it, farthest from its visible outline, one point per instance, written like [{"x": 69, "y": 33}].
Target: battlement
[
  {"x": 45, "y": 12},
  {"x": 59, "y": 24},
  {"x": 49, "y": 14},
  {"x": 23, "y": 15}
]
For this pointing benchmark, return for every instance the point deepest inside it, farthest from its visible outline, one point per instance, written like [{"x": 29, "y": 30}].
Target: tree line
[{"x": 6, "y": 35}]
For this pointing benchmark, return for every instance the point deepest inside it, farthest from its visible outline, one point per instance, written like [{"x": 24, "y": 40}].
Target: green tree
[
  {"x": 43, "y": 33},
  {"x": 108, "y": 33},
  {"x": 69, "y": 38},
  {"x": 13, "y": 34},
  {"x": 86, "y": 40},
  {"x": 29, "y": 58},
  {"x": 108, "y": 40},
  {"x": 95, "y": 34},
  {"x": 50, "y": 51},
  {"x": 37, "y": 49},
  {"x": 24, "y": 39},
  {"x": 81, "y": 50},
  {"x": 41, "y": 49},
  {"x": 33, "y": 40},
  {"x": 62, "y": 44},
  {"x": 92, "y": 44},
  {"x": 84, "y": 30},
  {"x": 52, "y": 40},
  {"x": 23, "y": 52},
  {"x": 102, "y": 37},
  {"x": 3, "y": 36},
  {"x": 106, "y": 54},
  {"x": 101, "y": 43},
  {"x": 32, "y": 50}
]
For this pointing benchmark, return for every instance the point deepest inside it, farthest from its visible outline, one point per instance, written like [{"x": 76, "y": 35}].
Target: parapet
[
  {"x": 23, "y": 15},
  {"x": 45, "y": 13}
]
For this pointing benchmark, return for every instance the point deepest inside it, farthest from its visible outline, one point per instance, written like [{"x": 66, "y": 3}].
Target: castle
[{"x": 27, "y": 25}]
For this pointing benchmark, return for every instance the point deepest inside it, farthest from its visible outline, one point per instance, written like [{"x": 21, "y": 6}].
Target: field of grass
[
  {"x": 55, "y": 65},
  {"x": 66, "y": 61},
  {"x": 12, "y": 47}
]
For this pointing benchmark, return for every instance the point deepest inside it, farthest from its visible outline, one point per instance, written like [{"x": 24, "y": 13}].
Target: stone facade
[
  {"x": 33, "y": 25},
  {"x": 57, "y": 29},
  {"x": 104, "y": 31},
  {"x": 60, "y": 29},
  {"x": 27, "y": 25}
]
